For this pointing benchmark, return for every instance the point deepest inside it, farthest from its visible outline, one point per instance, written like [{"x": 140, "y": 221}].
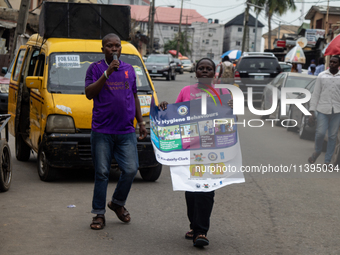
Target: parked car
[
  {"x": 161, "y": 65},
  {"x": 285, "y": 67},
  {"x": 256, "y": 71},
  {"x": 179, "y": 66},
  {"x": 188, "y": 65},
  {"x": 283, "y": 80},
  {"x": 305, "y": 131}
]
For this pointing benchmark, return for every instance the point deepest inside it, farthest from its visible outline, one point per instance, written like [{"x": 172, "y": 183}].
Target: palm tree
[{"x": 272, "y": 7}]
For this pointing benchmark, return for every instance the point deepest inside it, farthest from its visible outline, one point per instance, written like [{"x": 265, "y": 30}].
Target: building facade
[
  {"x": 278, "y": 33},
  {"x": 207, "y": 40},
  {"x": 166, "y": 22},
  {"x": 233, "y": 34}
]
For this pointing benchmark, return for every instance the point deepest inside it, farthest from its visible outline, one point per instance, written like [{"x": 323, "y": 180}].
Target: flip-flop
[
  {"x": 313, "y": 158},
  {"x": 201, "y": 241},
  {"x": 189, "y": 235},
  {"x": 95, "y": 222}
]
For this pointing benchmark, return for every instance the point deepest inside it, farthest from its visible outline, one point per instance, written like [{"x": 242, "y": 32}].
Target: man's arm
[
  {"x": 94, "y": 89},
  {"x": 139, "y": 117},
  {"x": 314, "y": 100}
]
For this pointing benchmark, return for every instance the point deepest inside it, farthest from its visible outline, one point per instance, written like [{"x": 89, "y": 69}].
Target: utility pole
[
  {"x": 326, "y": 35},
  {"x": 186, "y": 37},
  {"x": 278, "y": 36},
  {"x": 149, "y": 20},
  {"x": 21, "y": 24},
  {"x": 302, "y": 18},
  {"x": 256, "y": 24},
  {"x": 152, "y": 27},
  {"x": 179, "y": 30},
  {"x": 245, "y": 28}
]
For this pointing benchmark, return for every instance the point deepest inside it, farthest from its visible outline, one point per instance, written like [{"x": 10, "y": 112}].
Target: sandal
[
  {"x": 120, "y": 211},
  {"x": 313, "y": 158},
  {"x": 201, "y": 241},
  {"x": 189, "y": 235},
  {"x": 98, "y": 224}
]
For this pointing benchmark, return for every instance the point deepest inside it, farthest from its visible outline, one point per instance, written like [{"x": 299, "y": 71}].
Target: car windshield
[
  {"x": 67, "y": 74},
  {"x": 298, "y": 82},
  {"x": 186, "y": 61},
  {"x": 157, "y": 59},
  {"x": 254, "y": 64}
]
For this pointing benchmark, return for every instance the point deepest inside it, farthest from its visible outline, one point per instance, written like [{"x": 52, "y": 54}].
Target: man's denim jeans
[
  {"x": 124, "y": 149},
  {"x": 330, "y": 122}
]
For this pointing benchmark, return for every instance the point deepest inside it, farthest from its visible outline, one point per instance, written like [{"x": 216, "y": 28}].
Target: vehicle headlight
[
  {"x": 60, "y": 124},
  {"x": 165, "y": 67},
  {"x": 4, "y": 88}
]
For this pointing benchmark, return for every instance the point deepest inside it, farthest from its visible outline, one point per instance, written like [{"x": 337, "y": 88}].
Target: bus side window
[{"x": 40, "y": 65}]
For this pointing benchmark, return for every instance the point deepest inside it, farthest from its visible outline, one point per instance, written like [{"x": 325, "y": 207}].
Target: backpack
[{"x": 227, "y": 71}]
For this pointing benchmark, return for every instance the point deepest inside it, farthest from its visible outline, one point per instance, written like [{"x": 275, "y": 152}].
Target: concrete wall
[
  {"x": 207, "y": 40},
  {"x": 233, "y": 38},
  {"x": 274, "y": 36},
  {"x": 332, "y": 19}
]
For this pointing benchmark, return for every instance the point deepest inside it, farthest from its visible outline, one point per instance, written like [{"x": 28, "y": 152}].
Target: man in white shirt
[{"x": 326, "y": 101}]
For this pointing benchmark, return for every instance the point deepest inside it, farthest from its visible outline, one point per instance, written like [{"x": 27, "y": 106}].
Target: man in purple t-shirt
[{"x": 111, "y": 84}]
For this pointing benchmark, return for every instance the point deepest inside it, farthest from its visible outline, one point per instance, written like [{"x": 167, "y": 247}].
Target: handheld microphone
[{"x": 115, "y": 57}]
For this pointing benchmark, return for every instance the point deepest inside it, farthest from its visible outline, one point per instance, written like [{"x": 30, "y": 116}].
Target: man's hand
[
  {"x": 311, "y": 119},
  {"x": 142, "y": 132},
  {"x": 163, "y": 105},
  {"x": 230, "y": 103},
  {"x": 114, "y": 64}
]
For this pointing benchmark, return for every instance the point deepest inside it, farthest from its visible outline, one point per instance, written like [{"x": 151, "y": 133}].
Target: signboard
[
  {"x": 281, "y": 44},
  {"x": 313, "y": 35},
  {"x": 203, "y": 151}
]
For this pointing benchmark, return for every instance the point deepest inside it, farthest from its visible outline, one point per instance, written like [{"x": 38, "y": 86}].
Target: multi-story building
[
  {"x": 207, "y": 40},
  {"x": 166, "y": 22},
  {"x": 233, "y": 34}
]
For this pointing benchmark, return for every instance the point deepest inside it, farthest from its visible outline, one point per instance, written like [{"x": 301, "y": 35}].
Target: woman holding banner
[{"x": 199, "y": 204}]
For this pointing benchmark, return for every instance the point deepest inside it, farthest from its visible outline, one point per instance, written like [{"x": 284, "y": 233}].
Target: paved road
[{"x": 276, "y": 213}]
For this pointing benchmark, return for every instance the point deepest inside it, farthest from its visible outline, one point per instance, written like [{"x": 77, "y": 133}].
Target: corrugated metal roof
[
  {"x": 333, "y": 10},
  {"x": 166, "y": 15}
]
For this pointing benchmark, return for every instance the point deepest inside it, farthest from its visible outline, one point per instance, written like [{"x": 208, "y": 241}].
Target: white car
[
  {"x": 283, "y": 80},
  {"x": 188, "y": 65}
]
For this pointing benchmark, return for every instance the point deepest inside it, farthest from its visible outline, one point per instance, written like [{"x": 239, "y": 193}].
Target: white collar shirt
[{"x": 326, "y": 94}]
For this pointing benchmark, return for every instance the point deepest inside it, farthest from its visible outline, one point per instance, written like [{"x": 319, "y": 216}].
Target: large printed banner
[{"x": 203, "y": 150}]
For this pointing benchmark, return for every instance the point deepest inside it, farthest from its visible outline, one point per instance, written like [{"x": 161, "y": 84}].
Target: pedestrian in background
[
  {"x": 199, "y": 204},
  {"x": 312, "y": 63},
  {"x": 326, "y": 102},
  {"x": 320, "y": 67},
  {"x": 111, "y": 84},
  {"x": 311, "y": 69},
  {"x": 294, "y": 68},
  {"x": 299, "y": 68},
  {"x": 226, "y": 71}
]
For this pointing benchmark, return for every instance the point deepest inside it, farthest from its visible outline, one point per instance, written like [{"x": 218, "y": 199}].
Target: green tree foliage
[
  {"x": 272, "y": 7},
  {"x": 184, "y": 44}
]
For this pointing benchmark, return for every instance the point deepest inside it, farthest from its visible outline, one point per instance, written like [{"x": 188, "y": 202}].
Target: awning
[{"x": 7, "y": 24}]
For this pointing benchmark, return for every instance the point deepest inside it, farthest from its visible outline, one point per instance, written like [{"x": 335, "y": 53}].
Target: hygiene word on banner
[{"x": 203, "y": 150}]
